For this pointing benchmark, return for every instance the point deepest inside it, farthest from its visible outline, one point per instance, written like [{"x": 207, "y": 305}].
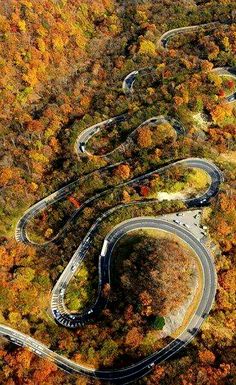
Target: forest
[{"x": 62, "y": 67}]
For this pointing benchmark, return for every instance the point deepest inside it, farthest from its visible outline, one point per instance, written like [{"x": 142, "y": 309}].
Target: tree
[
  {"x": 144, "y": 138},
  {"x": 147, "y": 47},
  {"x": 122, "y": 171},
  {"x": 159, "y": 323},
  {"x": 144, "y": 191},
  {"x": 133, "y": 338},
  {"x": 206, "y": 357}
]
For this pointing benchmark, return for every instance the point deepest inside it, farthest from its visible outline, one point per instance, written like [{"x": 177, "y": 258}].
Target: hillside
[{"x": 65, "y": 67}]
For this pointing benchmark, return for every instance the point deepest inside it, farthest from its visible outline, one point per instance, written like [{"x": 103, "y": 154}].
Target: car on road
[
  {"x": 38, "y": 352},
  {"x": 176, "y": 221},
  {"x": 231, "y": 98},
  {"x": 62, "y": 290},
  {"x": 82, "y": 146}
]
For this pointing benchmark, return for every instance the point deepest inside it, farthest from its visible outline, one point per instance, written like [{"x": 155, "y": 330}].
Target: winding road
[{"x": 71, "y": 320}]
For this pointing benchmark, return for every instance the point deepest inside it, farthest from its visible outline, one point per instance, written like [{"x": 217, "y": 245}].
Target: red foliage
[
  {"x": 230, "y": 84},
  {"x": 74, "y": 201},
  {"x": 222, "y": 93},
  {"x": 144, "y": 191}
]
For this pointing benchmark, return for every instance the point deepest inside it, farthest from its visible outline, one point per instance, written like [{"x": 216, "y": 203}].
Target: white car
[
  {"x": 38, "y": 352},
  {"x": 176, "y": 221}
]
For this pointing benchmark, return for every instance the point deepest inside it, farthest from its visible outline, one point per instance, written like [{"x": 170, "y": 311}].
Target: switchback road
[{"x": 58, "y": 308}]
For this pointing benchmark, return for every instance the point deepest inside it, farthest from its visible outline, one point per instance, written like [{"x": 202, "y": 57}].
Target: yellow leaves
[
  {"x": 226, "y": 43},
  {"x": 58, "y": 43},
  {"x": 206, "y": 66},
  {"x": 98, "y": 8},
  {"x": 160, "y": 67},
  {"x": 41, "y": 45},
  {"x": 114, "y": 29},
  {"x": 151, "y": 91},
  {"x": 151, "y": 341},
  {"x": 214, "y": 53},
  {"x": 33, "y": 186},
  {"x": 31, "y": 77},
  {"x": 49, "y": 132},
  {"x": 125, "y": 196},
  {"x": 38, "y": 156},
  {"x": 147, "y": 47},
  {"x": 109, "y": 4},
  {"x": 22, "y": 25},
  {"x": 220, "y": 112},
  {"x": 66, "y": 108},
  {"x": 84, "y": 18},
  {"x": 141, "y": 16},
  {"x": 114, "y": 24},
  {"x": 42, "y": 31},
  {"x": 48, "y": 233},
  {"x": 186, "y": 63},
  {"x": 85, "y": 101},
  {"x": 2, "y": 62},
  {"x": 82, "y": 273},
  {"x": 22, "y": 96},
  {"x": 6, "y": 175},
  {"x": 158, "y": 153},
  {"x": 214, "y": 77},
  {"x": 4, "y": 25},
  {"x": 80, "y": 39},
  {"x": 184, "y": 97},
  {"x": 24, "y": 275},
  {"x": 27, "y": 3},
  {"x": 14, "y": 317},
  {"x": 9, "y": 174},
  {"x": 53, "y": 127}
]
